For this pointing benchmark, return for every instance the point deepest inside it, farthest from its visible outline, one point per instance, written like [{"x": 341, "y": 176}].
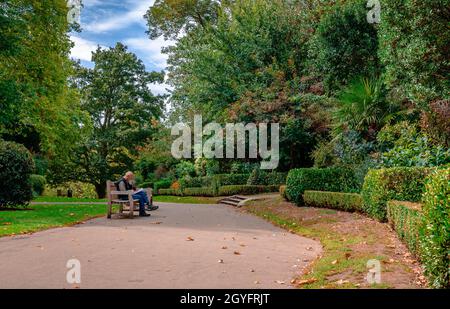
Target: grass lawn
[
  {"x": 42, "y": 217},
  {"x": 59, "y": 199},
  {"x": 349, "y": 241}
]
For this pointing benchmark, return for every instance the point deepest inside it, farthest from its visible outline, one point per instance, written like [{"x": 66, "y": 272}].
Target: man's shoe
[
  {"x": 144, "y": 215},
  {"x": 152, "y": 208}
]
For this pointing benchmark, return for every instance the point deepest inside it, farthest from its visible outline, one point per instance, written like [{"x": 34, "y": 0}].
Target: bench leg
[
  {"x": 109, "y": 210},
  {"x": 131, "y": 210}
]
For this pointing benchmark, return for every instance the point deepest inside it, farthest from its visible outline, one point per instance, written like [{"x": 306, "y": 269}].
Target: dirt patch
[{"x": 350, "y": 240}]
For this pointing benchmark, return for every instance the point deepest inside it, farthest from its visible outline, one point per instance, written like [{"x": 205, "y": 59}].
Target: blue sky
[{"x": 106, "y": 22}]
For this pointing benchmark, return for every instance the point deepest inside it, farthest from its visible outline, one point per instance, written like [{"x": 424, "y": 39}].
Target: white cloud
[
  {"x": 150, "y": 50},
  {"x": 119, "y": 21},
  {"x": 83, "y": 48}
]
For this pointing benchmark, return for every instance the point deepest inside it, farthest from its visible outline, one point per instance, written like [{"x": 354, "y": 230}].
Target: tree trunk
[{"x": 101, "y": 190}]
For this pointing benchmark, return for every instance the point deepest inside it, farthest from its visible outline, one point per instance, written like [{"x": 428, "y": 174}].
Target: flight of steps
[{"x": 233, "y": 200}]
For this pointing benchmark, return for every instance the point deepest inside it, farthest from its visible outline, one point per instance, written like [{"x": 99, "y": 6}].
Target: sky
[{"x": 106, "y": 22}]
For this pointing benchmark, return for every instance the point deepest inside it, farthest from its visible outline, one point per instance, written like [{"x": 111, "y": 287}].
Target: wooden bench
[{"x": 131, "y": 205}]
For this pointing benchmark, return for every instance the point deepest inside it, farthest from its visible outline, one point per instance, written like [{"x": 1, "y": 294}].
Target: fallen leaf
[
  {"x": 224, "y": 247},
  {"x": 309, "y": 248},
  {"x": 256, "y": 282},
  {"x": 7, "y": 223},
  {"x": 189, "y": 239},
  {"x": 280, "y": 282},
  {"x": 306, "y": 281},
  {"x": 341, "y": 282},
  {"x": 237, "y": 253},
  {"x": 334, "y": 262},
  {"x": 252, "y": 270},
  {"x": 242, "y": 245},
  {"x": 220, "y": 261},
  {"x": 156, "y": 222}
]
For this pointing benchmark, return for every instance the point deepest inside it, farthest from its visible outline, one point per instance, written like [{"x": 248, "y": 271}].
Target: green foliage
[
  {"x": 211, "y": 181},
  {"x": 414, "y": 48},
  {"x": 363, "y": 107},
  {"x": 406, "y": 219},
  {"x": 334, "y": 200},
  {"x": 406, "y": 146},
  {"x": 242, "y": 167},
  {"x": 256, "y": 177},
  {"x": 16, "y": 166},
  {"x": 38, "y": 183},
  {"x": 203, "y": 191},
  {"x": 283, "y": 193},
  {"x": 184, "y": 169},
  {"x": 246, "y": 190},
  {"x": 383, "y": 185},
  {"x": 325, "y": 179},
  {"x": 436, "y": 233},
  {"x": 162, "y": 184},
  {"x": 116, "y": 94},
  {"x": 80, "y": 190},
  {"x": 344, "y": 46}
]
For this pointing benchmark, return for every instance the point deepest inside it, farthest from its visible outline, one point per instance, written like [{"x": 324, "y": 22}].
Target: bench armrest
[{"x": 121, "y": 192}]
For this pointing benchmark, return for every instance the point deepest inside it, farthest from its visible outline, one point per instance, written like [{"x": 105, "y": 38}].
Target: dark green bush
[
  {"x": 16, "y": 166},
  {"x": 406, "y": 219},
  {"x": 162, "y": 184},
  {"x": 320, "y": 179},
  {"x": 383, "y": 185},
  {"x": 147, "y": 184},
  {"x": 246, "y": 190},
  {"x": 345, "y": 45},
  {"x": 334, "y": 200},
  {"x": 216, "y": 180},
  {"x": 435, "y": 236},
  {"x": 38, "y": 183},
  {"x": 204, "y": 191}
]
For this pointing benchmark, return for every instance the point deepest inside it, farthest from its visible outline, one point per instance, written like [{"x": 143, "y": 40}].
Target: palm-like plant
[{"x": 363, "y": 107}]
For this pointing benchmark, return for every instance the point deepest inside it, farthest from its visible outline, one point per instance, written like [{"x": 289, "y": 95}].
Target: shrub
[
  {"x": 147, "y": 184},
  {"x": 326, "y": 179},
  {"x": 16, "y": 166},
  {"x": 162, "y": 184},
  {"x": 435, "y": 237},
  {"x": 204, "y": 191},
  {"x": 184, "y": 168},
  {"x": 170, "y": 192},
  {"x": 406, "y": 219},
  {"x": 344, "y": 45},
  {"x": 246, "y": 190},
  {"x": 334, "y": 200},
  {"x": 383, "y": 185},
  {"x": 231, "y": 179},
  {"x": 38, "y": 183},
  {"x": 79, "y": 189}
]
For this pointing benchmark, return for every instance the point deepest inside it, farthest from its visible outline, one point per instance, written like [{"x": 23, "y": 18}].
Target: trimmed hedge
[
  {"x": 334, "y": 200},
  {"x": 435, "y": 235},
  {"x": 16, "y": 166},
  {"x": 283, "y": 193},
  {"x": 383, "y": 185},
  {"x": 170, "y": 192},
  {"x": 162, "y": 184},
  {"x": 204, "y": 191},
  {"x": 406, "y": 219},
  {"x": 246, "y": 190},
  {"x": 320, "y": 179},
  {"x": 216, "y": 180}
]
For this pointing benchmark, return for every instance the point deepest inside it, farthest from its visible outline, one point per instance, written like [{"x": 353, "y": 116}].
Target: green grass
[
  {"x": 54, "y": 199},
  {"x": 42, "y": 217},
  {"x": 185, "y": 199}
]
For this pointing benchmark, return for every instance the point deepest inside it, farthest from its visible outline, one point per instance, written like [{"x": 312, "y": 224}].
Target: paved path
[{"x": 180, "y": 246}]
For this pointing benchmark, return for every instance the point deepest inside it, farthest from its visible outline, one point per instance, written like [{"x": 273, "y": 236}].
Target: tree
[
  {"x": 117, "y": 96},
  {"x": 415, "y": 49},
  {"x": 169, "y": 18}
]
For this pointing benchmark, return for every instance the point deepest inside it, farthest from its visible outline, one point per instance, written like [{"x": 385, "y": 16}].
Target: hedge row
[
  {"x": 334, "y": 200},
  {"x": 400, "y": 183},
  {"x": 170, "y": 192},
  {"x": 435, "y": 236},
  {"x": 204, "y": 191},
  {"x": 214, "y": 181},
  {"x": 406, "y": 219},
  {"x": 246, "y": 190},
  {"x": 320, "y": 179}
]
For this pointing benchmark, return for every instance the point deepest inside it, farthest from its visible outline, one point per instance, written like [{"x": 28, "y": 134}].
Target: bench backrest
[{"x": 110, "y": 186}]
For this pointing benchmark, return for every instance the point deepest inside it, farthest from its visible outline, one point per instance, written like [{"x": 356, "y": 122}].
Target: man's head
[{"x": 129, "y": 176}]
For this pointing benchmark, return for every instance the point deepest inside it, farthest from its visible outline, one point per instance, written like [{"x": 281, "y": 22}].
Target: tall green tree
[{"x": 117, "y": 96}]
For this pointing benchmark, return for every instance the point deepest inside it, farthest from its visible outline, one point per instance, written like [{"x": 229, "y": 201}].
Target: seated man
[{"x": 124, "y": 184}]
